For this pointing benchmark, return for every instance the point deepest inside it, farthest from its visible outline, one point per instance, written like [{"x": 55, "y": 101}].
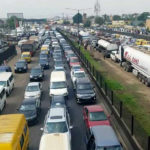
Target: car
[
  {"x": 58, "y": 64},
  {"x": 31, "y": 109},
  {"x": 102, "y": 138},
  {"x": 76, "y": 68},
  {"x": 84, "y": 91},
  {"x": 33, "y": 90},
  {"x": 73, "y": 61},
  {"x": 69, "y": 55},
  {"x": 37, "y": 74},
  {"x": 58, "y": 100},
  {"x": 77, "y": 75},
  {"x": 26, "y": 56},
  {"x": 94, "y": 115},
  {"x": 44, "y": 63},
  {"x": 57, "y": 57},
  {"x": 5, "y": 68},
  {"x": 21, "y": 66},
  {"x": 57, "y": 120}
]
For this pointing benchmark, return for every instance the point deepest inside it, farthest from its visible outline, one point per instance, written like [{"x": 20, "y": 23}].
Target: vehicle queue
[{"x": 57, "y": 124}]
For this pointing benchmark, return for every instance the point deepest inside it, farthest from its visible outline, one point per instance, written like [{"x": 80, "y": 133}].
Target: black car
[
  {"x": 58, "y": 100},
  {"x": 5, "y": 68},
  {"x": 44, "y": 63},
  {"x": 21, "y": 66},
  {"x": 85, "y": 91},
  {"x": 31, "y": 109},
  {"x": 37, "y": 74}
]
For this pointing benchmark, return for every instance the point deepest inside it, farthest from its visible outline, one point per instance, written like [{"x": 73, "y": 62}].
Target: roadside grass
[{"x": 129, "y": 100}]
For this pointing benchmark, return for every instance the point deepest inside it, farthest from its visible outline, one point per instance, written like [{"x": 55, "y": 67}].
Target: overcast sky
[{"x": 50, "y": 8}]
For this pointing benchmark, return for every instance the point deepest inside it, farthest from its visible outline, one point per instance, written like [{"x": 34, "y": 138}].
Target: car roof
[
  {"x": 4, "y": 76},
  {"x": 94, "y": 108},
  {"x": 104, "y": 136},
  {"x": 33, "y": 83},
  {"x": 57, "y": 114}
]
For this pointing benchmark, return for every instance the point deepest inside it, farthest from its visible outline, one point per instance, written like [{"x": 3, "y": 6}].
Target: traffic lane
[
  {"x": 35, "y": 132},
  {"x": 76, "y": 115},
  {"x": 14, "y": 100}
]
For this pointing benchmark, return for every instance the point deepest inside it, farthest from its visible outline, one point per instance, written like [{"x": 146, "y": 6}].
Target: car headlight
[
  {"x": 40, "y": 75},
  {"x": 92, "y": 95},
  {"x": 24, "y": 67},
  {"x": 79, "y": 95},
  {"x": 65, "y": 94},
  {"x": 31, "y": 76}
]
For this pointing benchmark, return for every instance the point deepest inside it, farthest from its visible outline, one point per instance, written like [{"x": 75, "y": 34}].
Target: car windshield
[
  {"x": 43, "y": 55},
  {"x": 56, "y": 127},
  {"x": 58, "y": 85},
  {"x": 32, "y": 88},
  {"x": 25, "y": 56},
  {"x": 67, "y": 48},
  {"x": 43, "y": 61},
  {"x": 109, "y": 148},
  {"x": 97, "y": 116},
  {"x": 71, "y": 55},
  {"x": 27, "y": 107},
  {"x": 79, "y": 75},
  {"x": 58, "y": 63},
  {"x": 84, "y": 86},
  {"x": 76, "y": 67},
  {"x": 59, "y": 69},
  {"x": 74, "y": 60},
  {"x": 33, "y": 71},
  {"x": 3, "y": 83},
  {"x": 3, "y": 69},
  {"x": 20, "y": 64}
]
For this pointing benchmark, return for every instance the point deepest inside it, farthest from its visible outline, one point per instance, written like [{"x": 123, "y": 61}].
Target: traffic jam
[{"x": 71, "y": 96}]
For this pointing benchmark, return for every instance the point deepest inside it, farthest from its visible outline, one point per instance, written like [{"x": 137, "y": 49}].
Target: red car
[
  {"x": 94, "y": 115},
  {"x": 73, "y": 61}
]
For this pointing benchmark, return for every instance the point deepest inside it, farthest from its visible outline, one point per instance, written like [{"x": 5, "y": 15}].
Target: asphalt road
[
  {"x": 17, "y": 95},
  {"x": 75, "y": 110}
]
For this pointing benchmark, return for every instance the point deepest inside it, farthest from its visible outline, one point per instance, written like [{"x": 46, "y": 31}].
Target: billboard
[{"x": 18, "y": 15}]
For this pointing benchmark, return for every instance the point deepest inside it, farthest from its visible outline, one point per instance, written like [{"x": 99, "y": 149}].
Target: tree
[
  {"x": 116, "y": 17},
  {"x": 106, "y": 18},
  {"x": 143, "y": 16},
  {"x": 11, "y": 22},
  {"x": 99, "y": 20},
  {"x": 77, "y": 18},
  {"x": 87, "y": 23}
]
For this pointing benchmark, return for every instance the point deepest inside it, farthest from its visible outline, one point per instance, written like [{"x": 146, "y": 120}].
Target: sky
[{"x": 51, "y": 8}]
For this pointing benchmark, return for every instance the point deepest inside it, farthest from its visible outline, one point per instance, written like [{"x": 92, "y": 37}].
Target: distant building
[
  {"x": 18, "y": 15},
  {"x": 84, "y": 17},
  {"x": 147, "y": 25},
  {"x": 118, "y": 23}
]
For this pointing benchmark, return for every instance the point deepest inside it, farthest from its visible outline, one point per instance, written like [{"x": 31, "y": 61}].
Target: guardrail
[
  {"x": 146, "y": 37},
  {"x": 9, "y": 52},
  {"x": 131, "y": 127}
]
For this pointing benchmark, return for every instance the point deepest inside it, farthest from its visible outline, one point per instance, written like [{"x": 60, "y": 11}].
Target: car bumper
[
  {"x": 86, "y": 99},
  {"x": 20, "y": 70},
  {"x": 32, "y": 121}
]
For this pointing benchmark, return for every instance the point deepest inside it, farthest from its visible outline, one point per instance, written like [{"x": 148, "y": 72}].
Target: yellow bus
[{"x": 14, "y": 132}]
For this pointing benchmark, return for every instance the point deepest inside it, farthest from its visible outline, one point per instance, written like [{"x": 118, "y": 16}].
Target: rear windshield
[
  {"x": 58, "y": 85},
  {"x": 97, "y": 116},
  {"x": 85, "y": 86}
]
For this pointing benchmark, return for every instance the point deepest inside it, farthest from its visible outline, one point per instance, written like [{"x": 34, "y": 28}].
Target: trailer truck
[{"x": 136, "y": 61}]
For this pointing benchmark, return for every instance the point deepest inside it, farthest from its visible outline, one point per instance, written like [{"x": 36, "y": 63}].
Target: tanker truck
[
  {"x": 136, "y": 61},
  {"x": 106, "y": 47}
]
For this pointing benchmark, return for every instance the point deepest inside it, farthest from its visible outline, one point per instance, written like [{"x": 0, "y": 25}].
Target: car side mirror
[
  {"x": 70, "y": 127},
  {"x": 41, "y": 129}
]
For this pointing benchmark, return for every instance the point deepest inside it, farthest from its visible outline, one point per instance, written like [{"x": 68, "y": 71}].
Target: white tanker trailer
[{"x": 136, "y": 61}]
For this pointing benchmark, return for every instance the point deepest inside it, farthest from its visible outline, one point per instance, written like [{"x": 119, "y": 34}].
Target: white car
[
  {"x": 76, "y": 75},
  {"x": 57, "y": 120},
  {"x": 33, "y": 90}
]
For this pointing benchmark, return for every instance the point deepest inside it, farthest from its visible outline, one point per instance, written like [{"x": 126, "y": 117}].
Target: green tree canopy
[
  {"x": 143, "y": 16},
  {"x": 116, "y": 17},
  {"x": 77, "y": 18},
  {"x": 87, "y": 23},
  {"x": 99, "y": 20},
  {"x": 11, "y": 22}
]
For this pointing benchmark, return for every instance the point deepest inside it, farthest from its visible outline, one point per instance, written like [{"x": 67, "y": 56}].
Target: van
[
  {"x": 26, "y": 56},
  {"x": 56, "y": 141},
  {"x": 7, "y": 80},
  {"x": 2, "y": 97},
  {"x": 58, "y": 84},
  {"x": 14, "y": 132}
]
